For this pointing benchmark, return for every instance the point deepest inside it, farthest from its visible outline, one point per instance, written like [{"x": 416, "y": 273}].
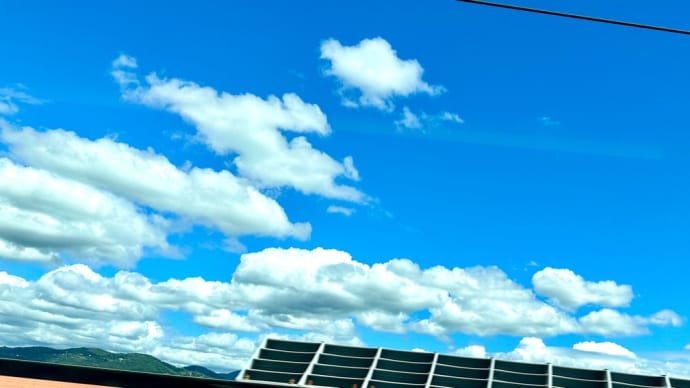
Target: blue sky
[{"x": 183, "y": 179}]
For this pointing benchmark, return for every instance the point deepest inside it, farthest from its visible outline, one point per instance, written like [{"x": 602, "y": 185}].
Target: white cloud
[
  {"x": 411, "y": 120},
  {"x": 216, "y": 199},
  {"x": 477, "y": 351},
  {"x": 226, "y": 320},
  {"x": 125, "y": 61},
  {"x": 351, "y": 171},
  {"x": 250, "y": 127},
  {"x": 665, "y": 318},
  {"x": 373, "y": 68},
  {"x": 384, "y": 321},
  {"x": 121, "y": 70},
  {"x": 606, "y": 321},
  {"x": 566, "y": 289},
  {"x": 591, "y": 355},
  {"x": 9, "y": 97},
  {"x": 479, "y": 300},
  {"x": 74, "y": 306},
  {"x": 319, "y": 291},
  {"x": 610, "y": 348},
  {"x": 219, "y": 351},
  {"x": 313, "y": 295},
  {"x": 612, "y": 322},
  {"x": 346, "y": 211},
  {"x": 453, "y": 117},
  {"x": 46, "y": 217}
]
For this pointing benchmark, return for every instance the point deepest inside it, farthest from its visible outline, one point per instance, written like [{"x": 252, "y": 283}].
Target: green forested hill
[{"x": 103, "y": 359}]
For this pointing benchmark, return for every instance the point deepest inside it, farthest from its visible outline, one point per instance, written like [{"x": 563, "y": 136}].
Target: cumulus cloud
[
  {"x": 373, "y": 69},
  {"x": 216, "y": 199},
  {"x": 568, "y": 290},
  {"x": 477, "y": 300},
  {"x": 610, "y": 348},
  {"x": 251, "y": 128},
  {"x": 307, "y": 294},
  {"x": 10, "y": 97},
  {"x": 608, "y": 321},
  {"x": 74, "y": 306},
  {"x": 46, "y": 217},
  {"x": 593, "y": 355},
  {"x": 477, "y": 351}
]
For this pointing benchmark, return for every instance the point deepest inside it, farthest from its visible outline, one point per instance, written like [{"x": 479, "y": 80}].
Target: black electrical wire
[{"x": 580, "y": 17}]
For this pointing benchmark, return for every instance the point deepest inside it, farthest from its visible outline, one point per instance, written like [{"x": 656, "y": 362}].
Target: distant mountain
[
  {"x": 103, "y": 359},
  {"x": 210, "y": 373}
]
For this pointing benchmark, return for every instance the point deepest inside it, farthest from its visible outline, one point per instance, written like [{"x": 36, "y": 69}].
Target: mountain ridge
[{"x": 95, "y": 357}]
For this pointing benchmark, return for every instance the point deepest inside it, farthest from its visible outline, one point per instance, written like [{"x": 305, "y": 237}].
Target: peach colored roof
[{"x": 18, "y": 382}]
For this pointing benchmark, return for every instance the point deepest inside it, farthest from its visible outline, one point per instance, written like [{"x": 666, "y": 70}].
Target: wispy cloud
[
  {"x": 11, "y": 97},
  {"x": 346, "y": 211},
  {"x": 548, "y": 121},
  {"x": 422, "y": 120},
  {"x": 542, "y": 141}
]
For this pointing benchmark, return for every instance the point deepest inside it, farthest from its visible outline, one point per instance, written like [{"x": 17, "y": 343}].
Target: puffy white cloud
[
  {"x": 315, "y": 294},
  {"x": 478, "y": 300},
  {"x": 384, "y": 321},
  {"x": 484, "y": 301},
  {"x": 592, "y": 355},
  {"x": 346, "y": 211},
  {"x": 219, "y": 351},
  {"x": 607, "y": 321},
  {"x": 216, "y": 199},
  {"x": 477, "y": 351},
  {"x": 250, "y": 127},
  {"x": 74, "y": 306},
  {"x": 568, "y": 290},
  {"x": 227, "y": 320},
  {"x": 12, "y": 251},
  {"x": 46, "y": 217},
  {"x": 329, "y": 282},
  {"x": 612, "y": 322},
  {"x": 373, "y": 68},
  {"x": 610, "y": 348}
]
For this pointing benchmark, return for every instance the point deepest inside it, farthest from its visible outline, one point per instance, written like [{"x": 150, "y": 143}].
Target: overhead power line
[{"x": 580, "y": 17}]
